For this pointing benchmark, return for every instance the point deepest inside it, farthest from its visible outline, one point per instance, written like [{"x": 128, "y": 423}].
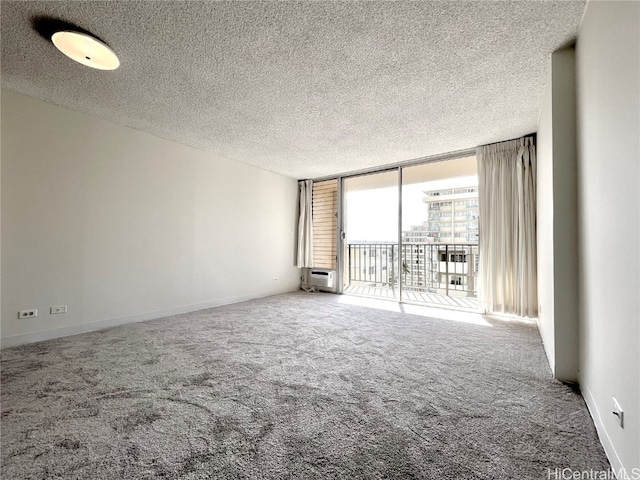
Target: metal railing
[
  {"x": 440, "y": 268},
  {"x": 373, "y": 263}
]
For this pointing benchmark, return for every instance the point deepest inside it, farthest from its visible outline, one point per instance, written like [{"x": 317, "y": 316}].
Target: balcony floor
[{"x": 430, "y": 299}]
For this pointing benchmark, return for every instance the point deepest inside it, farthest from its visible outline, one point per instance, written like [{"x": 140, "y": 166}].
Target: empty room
[{"x": 320, "y": 239}]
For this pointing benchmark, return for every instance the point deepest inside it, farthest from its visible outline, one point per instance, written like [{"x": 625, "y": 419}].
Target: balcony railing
[{"x": 437, "y": 268}]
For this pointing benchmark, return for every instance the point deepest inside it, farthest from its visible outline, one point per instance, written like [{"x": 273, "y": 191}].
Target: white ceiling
[{"x": 305, "y": 89}]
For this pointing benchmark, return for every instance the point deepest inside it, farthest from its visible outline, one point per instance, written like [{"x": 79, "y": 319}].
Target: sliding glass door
[
  {"x": 440, "y": 233},
  {"x": 370, "y": 226},
  {"x": 431, "y": 255}
]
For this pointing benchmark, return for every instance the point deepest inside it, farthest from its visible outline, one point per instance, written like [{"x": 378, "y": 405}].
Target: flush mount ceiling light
[{"x": 85, "y": 49}]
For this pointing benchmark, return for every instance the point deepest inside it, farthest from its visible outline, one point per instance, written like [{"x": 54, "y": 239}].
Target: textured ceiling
[{"x": 305, "y": 89}]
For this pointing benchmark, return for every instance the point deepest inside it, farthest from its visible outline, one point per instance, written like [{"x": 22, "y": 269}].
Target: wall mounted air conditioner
[{"x": 322, "y": 278}]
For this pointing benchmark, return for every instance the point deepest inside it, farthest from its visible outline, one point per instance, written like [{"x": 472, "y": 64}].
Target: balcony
[
  {"x": 432, "y": 300},
  {"x": 437, "y": 274}
]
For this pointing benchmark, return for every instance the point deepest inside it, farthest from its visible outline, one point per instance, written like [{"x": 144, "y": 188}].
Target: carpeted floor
[{"x": 292, "y": 386}]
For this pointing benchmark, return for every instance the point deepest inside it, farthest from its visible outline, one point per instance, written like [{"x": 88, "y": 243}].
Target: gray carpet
[{"x": 291, "y": 386}]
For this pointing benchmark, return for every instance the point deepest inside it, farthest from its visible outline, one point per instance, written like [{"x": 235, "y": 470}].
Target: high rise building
[
  {"x": 438, "y": 256},
  {"x": 441, "y": 254},
  {"x": 452, "y": 215}
]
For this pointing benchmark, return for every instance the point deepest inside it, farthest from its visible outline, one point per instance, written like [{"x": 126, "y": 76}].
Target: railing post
[
  {"x": 424, "y": 265},
  {"x": 349, "y": 250},
  {"x": 378, "y": 250},
  {"x": 446, "y": 269},
  {"x": 367, "y": 262},
  {"x": 393, "y": 263}
]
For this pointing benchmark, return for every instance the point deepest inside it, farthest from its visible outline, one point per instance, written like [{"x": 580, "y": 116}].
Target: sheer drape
[
  {"x": 507, "y": 201},
  {"x": 305, "y": 225}
]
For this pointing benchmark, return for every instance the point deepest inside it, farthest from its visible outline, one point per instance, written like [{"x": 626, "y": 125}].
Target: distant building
[
  {"x": 416, "y": 267},
  {"x": 439, "y": 256},
  {"x": 452, "y": 215},
  {"x": 373, "y": 263}
]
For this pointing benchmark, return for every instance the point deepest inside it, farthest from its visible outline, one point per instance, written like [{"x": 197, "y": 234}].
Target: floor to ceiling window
[
  {"x": 370, "y": 226},
  {"x": 431, "y": 255},
  {"x": 440, "y": 233}
]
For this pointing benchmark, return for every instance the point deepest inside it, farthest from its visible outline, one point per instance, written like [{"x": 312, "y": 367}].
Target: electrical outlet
[
  {"x": 28, "y": 313},
  {"x": 58, "y": 309},
  {"x": 617, "y": 411}
]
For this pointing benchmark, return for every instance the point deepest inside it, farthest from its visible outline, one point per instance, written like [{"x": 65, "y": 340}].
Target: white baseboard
[
  {"x": 609, "y": 449},
  {"x": 16, "y": 340}
]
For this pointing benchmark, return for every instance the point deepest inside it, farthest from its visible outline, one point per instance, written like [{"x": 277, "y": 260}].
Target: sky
[{"x": 372, "y": 215}]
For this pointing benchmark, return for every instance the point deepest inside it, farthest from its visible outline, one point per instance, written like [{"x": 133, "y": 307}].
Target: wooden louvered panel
[
  {"x": 326, "y": 185},
  {"x": 325, "y": 204}
]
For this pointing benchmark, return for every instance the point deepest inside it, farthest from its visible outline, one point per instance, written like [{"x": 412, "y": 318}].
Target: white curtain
[
  {"x": 305, "y": 225},
  {"x": 507, "y": 202}
]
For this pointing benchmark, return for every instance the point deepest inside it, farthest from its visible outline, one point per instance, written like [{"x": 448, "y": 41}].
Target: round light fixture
[{"x": 86, "y": 50}]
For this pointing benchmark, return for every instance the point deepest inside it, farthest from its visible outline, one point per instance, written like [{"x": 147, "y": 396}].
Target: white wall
[
  {"x": 608, "y": 80},
  {"x": 544, "y": 225},
  {"x": 556, "y": 219},
  {"x": 123, "y": 226}
]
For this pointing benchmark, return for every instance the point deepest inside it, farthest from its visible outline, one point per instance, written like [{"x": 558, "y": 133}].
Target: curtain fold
[
  {"x": 305, "y": 225},
  {"x": 507, "y": 203}
]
